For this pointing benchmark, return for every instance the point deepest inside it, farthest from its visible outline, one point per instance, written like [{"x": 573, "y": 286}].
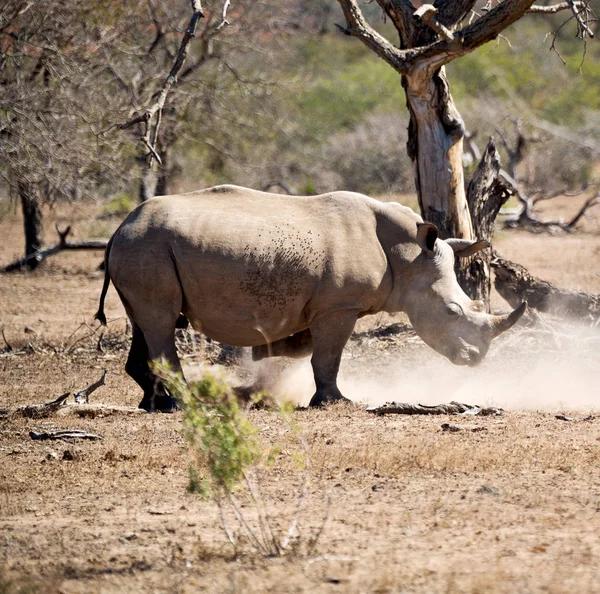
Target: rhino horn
[{"x": 502, "y": 323}]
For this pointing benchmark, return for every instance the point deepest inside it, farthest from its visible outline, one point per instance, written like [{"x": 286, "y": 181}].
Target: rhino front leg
[{"x": 330, "y": 333}]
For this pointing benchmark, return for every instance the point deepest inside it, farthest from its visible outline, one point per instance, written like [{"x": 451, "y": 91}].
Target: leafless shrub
[{"x": 370, "y": 158}]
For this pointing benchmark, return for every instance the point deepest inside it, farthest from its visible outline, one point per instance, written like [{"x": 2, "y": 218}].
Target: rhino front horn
[{"x": 502, "y": 323}]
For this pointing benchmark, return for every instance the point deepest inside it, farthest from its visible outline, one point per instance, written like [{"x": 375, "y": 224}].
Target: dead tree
[
  {"x": 32, "y": 223},
  {"x": 429, "y": 38},
  {"x": 40, "y": 255},
  {"x": 516, "y": 284},
  {"x": 486, "y": 194},
  {"x": 524, "y": 216}
]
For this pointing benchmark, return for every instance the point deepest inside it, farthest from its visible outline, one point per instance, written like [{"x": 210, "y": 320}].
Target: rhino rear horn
[
  {"x": 502, "y": 323},
  {"x": 464, "y": 248}
]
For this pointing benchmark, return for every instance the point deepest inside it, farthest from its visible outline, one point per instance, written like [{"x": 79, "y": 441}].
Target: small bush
[{"x": 227, "y": 455}]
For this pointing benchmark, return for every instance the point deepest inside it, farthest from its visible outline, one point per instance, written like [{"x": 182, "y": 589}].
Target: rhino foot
[
  {"x": 321, "y": 399},
  {"x": 159, "y": 403}
]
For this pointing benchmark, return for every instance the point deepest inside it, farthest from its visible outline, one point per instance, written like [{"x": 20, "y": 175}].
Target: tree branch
[
  {"x": 484, "y": 29},
  {"x": 155, "y": 110},
  {"x": 432, "y": 57},
  {"x": 426, "y": 13},
  {"x": 554, "y": 8},
  {"x": 400, "y": 12},
  {"x": 358, "y": 27},
  {"x": 582, "y": 24},
  {"x": 63, "y": 244}
]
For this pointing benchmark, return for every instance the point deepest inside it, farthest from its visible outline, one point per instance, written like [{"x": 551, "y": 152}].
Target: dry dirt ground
[{"x": 514, "y": 507}]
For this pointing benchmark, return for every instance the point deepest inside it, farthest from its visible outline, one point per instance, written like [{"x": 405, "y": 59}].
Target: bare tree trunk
[
  {"x": 435, "y": 143},
  {"x": 163, "y": 173},
  {"x": 32, "y": 222},
  {"x": 146, "y": 185}
]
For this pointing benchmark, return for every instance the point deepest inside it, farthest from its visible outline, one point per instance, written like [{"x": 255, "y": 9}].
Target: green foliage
[
  {"x": 227, "y": 458},
  {"x": 218, "y": 432},
  {"x": 121, "y": 204},
  {"x": 523, "y": 69},
  {"x": 342, "y": 84},
  {"x": 308, "y": 188}
]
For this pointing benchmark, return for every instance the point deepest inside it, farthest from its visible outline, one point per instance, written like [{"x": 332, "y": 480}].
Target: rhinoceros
[{"x": 287, "y": 275}]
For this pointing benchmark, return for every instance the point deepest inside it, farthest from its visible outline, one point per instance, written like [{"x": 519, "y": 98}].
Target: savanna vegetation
[{"x": 225, "y": 497}]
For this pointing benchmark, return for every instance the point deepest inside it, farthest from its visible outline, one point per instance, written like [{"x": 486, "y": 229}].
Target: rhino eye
[{"x": 454, "y": 310}]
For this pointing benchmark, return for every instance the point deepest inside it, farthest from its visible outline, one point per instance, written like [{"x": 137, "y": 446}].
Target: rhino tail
[{"x": 100, "y": 313}]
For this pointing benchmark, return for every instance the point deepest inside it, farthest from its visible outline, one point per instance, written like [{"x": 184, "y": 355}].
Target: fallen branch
[
  {"x": 63, "y": 244},
  {"x": 562, "y": 417},
  {"x": 516, "y": 284},
  {"x": 92, "y": 411},
  {"x": 63, "y": 434},
  {"x": 41, "y": 411},
  {"x": 454, "y": 408},
  {"x": 84, "y": 395},
  {"x": 8, "y": 348}
]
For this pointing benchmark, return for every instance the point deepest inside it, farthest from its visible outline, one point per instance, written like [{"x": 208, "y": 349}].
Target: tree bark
[
  {"x": 435, "y": 141},
  {"x": 163, "y": 173},
  {"x": 486, "y": 194},
  {"x": 515, "y": 284},
  {"x": 32, "y": 222},
  {"x": 145, "y": 190}
]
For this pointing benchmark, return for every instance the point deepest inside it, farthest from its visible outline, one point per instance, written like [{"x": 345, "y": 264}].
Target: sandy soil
[{"x": 412, "y": 508}]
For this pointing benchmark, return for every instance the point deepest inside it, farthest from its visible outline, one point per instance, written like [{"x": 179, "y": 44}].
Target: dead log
[
  {"x": 562, "y": 417},
  {"x": 63, "y": 244},
  {"x": 454, "y": 408},
  {"x": 41, "y": 411},
  {"x": 515, "y": 284}
]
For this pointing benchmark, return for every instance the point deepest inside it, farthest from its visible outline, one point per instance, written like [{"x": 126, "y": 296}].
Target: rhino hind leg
[
  {"x": 138, "y": 368},
  {"x": 296, "y": 346},
  {"x": 153, "y": 306},
  {"x": 329, "y": 334}
]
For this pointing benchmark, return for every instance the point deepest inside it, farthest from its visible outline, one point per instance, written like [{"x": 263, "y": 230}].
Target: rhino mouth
[{"x": 468, "y": 355}]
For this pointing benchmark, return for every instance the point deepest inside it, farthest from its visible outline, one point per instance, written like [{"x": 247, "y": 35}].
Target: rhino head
[{"x": 439, "y": 310}]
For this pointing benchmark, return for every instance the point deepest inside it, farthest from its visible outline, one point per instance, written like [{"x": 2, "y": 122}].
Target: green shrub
[
  {"x": 121, "y": 204},
  {"x": 226, "y": 458}
]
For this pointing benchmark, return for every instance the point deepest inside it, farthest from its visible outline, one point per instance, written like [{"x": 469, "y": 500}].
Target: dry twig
[
  {"x": 84, "y": 395},
  {"x": 152, "y": 116},
  {"x": 63, "y": 434}
]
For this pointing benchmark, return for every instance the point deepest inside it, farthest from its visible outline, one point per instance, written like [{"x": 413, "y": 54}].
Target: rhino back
[{"x": 253, "y": 264}]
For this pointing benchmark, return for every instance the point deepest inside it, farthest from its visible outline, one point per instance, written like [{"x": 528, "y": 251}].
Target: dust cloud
[{"x": 530, "y": 370}]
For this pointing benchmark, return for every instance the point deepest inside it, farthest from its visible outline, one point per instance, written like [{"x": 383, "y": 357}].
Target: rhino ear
[
  {"x": 427, "y": 234},
  {"x": 464, "y": 248}
]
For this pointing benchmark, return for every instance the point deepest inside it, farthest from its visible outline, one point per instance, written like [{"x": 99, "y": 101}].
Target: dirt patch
[{"x": 412, "y": 507}]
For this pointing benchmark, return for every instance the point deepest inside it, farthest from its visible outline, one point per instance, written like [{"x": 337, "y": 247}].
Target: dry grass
[{"x": 413, "y": 508}]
